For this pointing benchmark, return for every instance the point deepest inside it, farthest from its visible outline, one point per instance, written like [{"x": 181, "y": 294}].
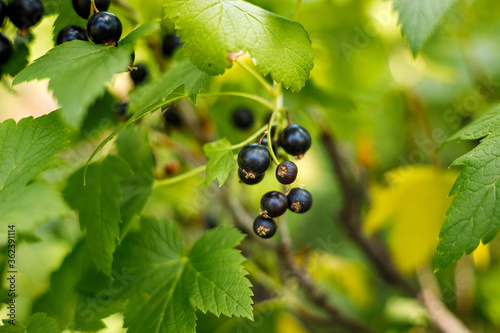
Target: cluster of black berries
[
  {"x": 102, "y": 27},
  {"x": 23, "y": 14},
  {"x": 253, "y": 161}
]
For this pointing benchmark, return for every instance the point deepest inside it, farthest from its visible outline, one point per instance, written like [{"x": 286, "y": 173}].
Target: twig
[
  {"x": 317, "y": 297},
  {"x": 441, "y": 316},
  {"x": 349, "y": 217}
]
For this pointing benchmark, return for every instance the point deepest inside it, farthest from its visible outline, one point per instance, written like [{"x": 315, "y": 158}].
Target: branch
[{"x": 350, "y": 218}]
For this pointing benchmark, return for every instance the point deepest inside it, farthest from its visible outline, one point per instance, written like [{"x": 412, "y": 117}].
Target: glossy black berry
[
  {"x": 82, "y": 7},
  {"x": 299, "y": 200},
  {"x": 243, "y": 118},
  {"x": 104, "y": 28},
  {"x": 5, "y": 49},
  {"x": 70, "y": 33},
  {"x": 286, "y": 172},
  {"x": 295, "y": 140},
  {"x": 264, "y": 227},
  {"x": 3, "y": 12},
  {"x": 273, "y": 204},
  {"x": 171, "y": 117},
  {"x": 250, "y": 178},
  {"x": 169, "y": 44},
  {"x": 25, "y": 13},
  {"x": 254, "y": 158},
  {"x": 139, "y": 74}
]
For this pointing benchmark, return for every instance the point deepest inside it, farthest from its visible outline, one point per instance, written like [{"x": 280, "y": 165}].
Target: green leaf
[
  {"x": 78, "y": 72},
  {"x": 41, "y": 323},
  {"x": 44, "y": 202},
  {"x": 68, "y": 303},
  {"x": 9, "y": 328},
  {"x": 19, "y": 58},
  {"x": 135, "y": 188},
  {"x": 419, "y": 19},
  {"x": 221, "y": 161},
  {"x": 98, "y": 204},
  {"x": 474, "y": 215},
  {"x": 181, "y": 78},
  {"x": 27, "y": 148},
  {"x": 211, "y": 29},
  {"x": 170, "y": 284}
]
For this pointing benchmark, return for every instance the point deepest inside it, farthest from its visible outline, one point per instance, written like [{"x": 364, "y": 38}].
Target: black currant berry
[
  {"x": 171, "y": 117},
  {"x": 273, "y": 204},
  {"x": 264, "y": 227},
  {"x": 139, "y": 74},
  {"x": 82, "y": 7},
  {"x": 5, "y": 49},
  {"x": 295, "y": 140},
  {"x": 286, "y": 172},
  {"x": 121, "y": 110},
  {"x": 70, "y": 33},
  {"x": 254, "y": 159},
  {"x": 299, "y": 200},
  {"x": 25, "y": 13},
  {"x": 243, "y": 118},
  {"x": 104, "y": 28},
  {"x": 250, "y": 178},
  {"x": 3, "y": 12},
  {"x": 169, "y": 44}
]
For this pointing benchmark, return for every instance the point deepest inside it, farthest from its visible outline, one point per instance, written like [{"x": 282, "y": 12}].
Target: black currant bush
[{"x": 130, "y": 131}]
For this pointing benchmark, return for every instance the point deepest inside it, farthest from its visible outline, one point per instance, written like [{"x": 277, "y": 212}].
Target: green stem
[
  {"x": 175, "y": 180},
  {"x": 257, "y": 75},
  {"x": 278, "y": 107},
  {"x": 256, "y": 98},
  {"x": 195, "y": 171},
  {"x": 297, "y": 10}
]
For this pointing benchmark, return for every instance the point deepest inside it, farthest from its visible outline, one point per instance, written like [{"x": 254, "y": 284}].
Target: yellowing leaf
[
  {"x": 413, "y": 208},
  {"x": 481, "y": 256},
  {"x": 347, "y": 277}
]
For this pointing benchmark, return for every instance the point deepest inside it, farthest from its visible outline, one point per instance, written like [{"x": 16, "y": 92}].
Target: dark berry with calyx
[
  {"x": 139, "y": 74},
  {"x": 254, "y": 158},
  {"x": 104, "y": 28},
  {"x": 171, "y": 117},
  {"x": 121, "y": 110},
  {"x": 264, "y": 143},
  {"x": 264, "y": 227},
  {"x": 3, "y": 12},
  {"x": 243, "y": 118},
  {"x": 5, "y": 49},
  {"x": 295, "y": 140},
  {"x": 82, "y": 7},
  {"x": 286, "y": 172},
  {"x": 273, "y": 204},
  {"x": 299, "y": 200},
  {"x": 169, "y": 44},
  {"x": 250, "y": 178},
  {"x": 71, "y": 32},
  {"x": 25, "y": 13}
]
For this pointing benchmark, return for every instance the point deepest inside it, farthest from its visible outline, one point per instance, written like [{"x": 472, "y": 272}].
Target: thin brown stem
[{"x": 350, "y": 218}]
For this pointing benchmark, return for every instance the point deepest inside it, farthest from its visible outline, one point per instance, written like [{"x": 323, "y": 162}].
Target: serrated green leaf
[
  {"x": 41, "y": 323},
  {"x": 474, "y": 215},
  {"x": 136, "y": 188},
  {"x": 27, "y": 148},
  {"x": 211, "y": 29},
  {"x": 66, "y": 302},
  {"x": 170, "y": 285},
  {"x": 78, "y": 73},
  {"x": 221, "y": 161},
  {"x": 98, "y": 205},
  {"x": 142, "y": 31},
  {"x": 419, "y": 19},
  {"x": 182, "y": 75},
  {"x": 44, "y": 201}
]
